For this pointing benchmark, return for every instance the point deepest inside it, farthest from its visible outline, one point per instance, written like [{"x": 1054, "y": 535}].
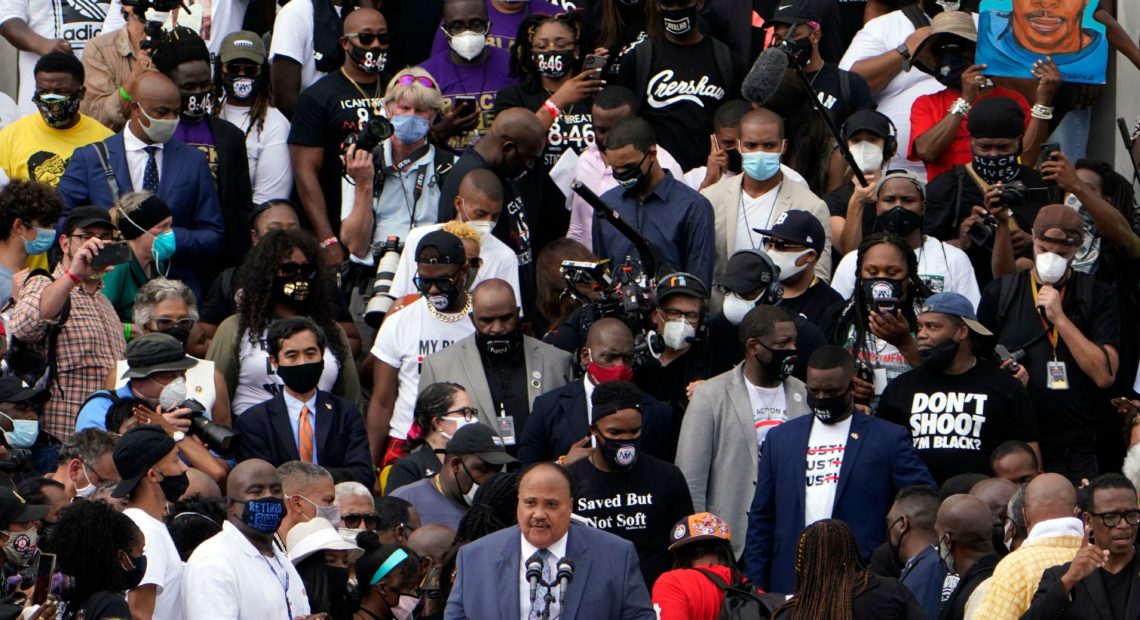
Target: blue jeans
[{"x": 1073, "y": 133}]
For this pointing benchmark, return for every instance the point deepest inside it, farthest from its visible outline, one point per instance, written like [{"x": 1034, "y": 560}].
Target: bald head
[
  {"x": 763, "y": 116},
  {"x": 432, "y": 542},
  {"x": 520, "y": 126},
  {"x": 492, "y": 293},
  {"x": 495, "y": 313},
  {"x": 1049, "y": 496},
  {"x": 609, "y": 330},
  {"x": 201, "y": 484},
  {"x": 482, "y": 183},
  {"x": 967, "y": 520},
  {"x": 463, "y": 10},
  {"x": 995, "y": 493},
  {"x": 365, "y": 20},
  {"x": 246, "y": 473}
]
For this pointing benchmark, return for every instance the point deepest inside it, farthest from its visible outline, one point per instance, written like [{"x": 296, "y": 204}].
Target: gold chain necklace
[
  {"x": 450, "y": 318},
  {"x": 375, "y": 91},
  {"x": 435, "y": 482}
]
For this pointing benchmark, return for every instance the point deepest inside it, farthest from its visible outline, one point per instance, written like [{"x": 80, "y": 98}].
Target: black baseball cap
[
  {"x": 156, "y": 352},
  {"x": 15, "y": 509},
  {"x": 15, "y": 390},
  {"x": 448, "y": 249},
  {"x": 681, "y": 283},
  {"x": 481, "y": 441},
  {"x": 871, "y": 121},
  {"x": 792, "y": 12},
  {"x": 82, "y": 217},
  {"x": 799, "y": 227},
  {"x": 136, "y": 452},
  {"x": 748, "y": 270}
]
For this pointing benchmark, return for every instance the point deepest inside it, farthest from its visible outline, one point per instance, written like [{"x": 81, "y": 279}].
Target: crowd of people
[{"x": 637, "y": 309}]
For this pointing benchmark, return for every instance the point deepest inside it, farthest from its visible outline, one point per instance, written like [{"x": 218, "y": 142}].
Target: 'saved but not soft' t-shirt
[
  {"x": 956, "y": 421},
  {"x": 640, "y": 505},
  {"x": 826, "y": 446}
]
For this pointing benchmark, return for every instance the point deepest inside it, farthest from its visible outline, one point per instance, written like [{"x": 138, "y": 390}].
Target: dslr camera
[
  {"x": 155, "y": 34},
  {"x": 981, "y": 232},
  {"x": 375, "y": 131},
  {"x": 218, "y": 438}
]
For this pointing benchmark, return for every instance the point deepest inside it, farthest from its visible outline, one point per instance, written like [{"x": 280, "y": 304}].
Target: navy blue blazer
[
  {"x": 879, "y": 459},
  {"x": 342, "y": 444},
  {"x": 558, "y": 419},
  {"x": 186, "y": 187},
  {"x": 607, "y": 581}
]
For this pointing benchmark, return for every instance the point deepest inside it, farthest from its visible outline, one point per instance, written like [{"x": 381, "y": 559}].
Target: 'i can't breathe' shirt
[{"x": 826, "y": 445}]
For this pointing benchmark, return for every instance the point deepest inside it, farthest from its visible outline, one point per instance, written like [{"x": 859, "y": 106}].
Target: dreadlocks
[
  {"x": 855, "y": 313},
  {"x": 522, "y": 50},
  {"x": 1116, "y": 189},
  {"x": 260, "y": 103},
  {"x": 829, "y": 572},
  {"x": 493, "y": 509},
  {"x": 182, "y": 45}
]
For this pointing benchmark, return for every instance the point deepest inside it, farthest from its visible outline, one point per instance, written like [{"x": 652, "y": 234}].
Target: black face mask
[
  {"x": 899, "y": 221},
  {"x": 620, "y": 455},
  {"x": 178, "y": 333},
  {"x": 367, "y": 59},
  {"x": 829, "y": 410},
  {"x": 302, "y": 378},
  {"x": 554, "y": 64},
  {"x": 338, "y": 583},
  {"x": 500, "y": 346},
  {"x": 238, "y": 87},
  {"x": 882, "y": 294},
  {"x": 799, "y": 50},
  {"x": 130, "y": 578},
  {"x": 634, "y": 179},
  {"x": 938, "y": 357},
  {"x": 735, "y": 161},
  {"x": 195, "y": 106},
  {"x": 514, "y": 167},
  {"x": 58, "y": 111},
  {"x": 173, "y": 486},
  {"x": 781, "y": 364},
  {"x": 950, "y": 68},
  {"x": 292, "y": 291},
  {"x": 894, "y": 546},
  {"x": 994, "y": 168},
  {"x": 679, "y": 22}
]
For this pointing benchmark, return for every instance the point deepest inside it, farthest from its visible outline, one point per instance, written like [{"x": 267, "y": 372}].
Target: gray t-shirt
[{"x": 431, "y": 504}]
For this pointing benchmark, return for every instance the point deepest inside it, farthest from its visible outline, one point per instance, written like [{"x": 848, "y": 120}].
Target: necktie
[
  {"x": 543, "y": 588},
  {"x": 305, "y": 435},
  {"x": 150, "y": 173}
]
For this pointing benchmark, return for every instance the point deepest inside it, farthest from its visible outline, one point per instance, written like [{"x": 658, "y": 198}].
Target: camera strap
[{"x": 421, "y": 178}]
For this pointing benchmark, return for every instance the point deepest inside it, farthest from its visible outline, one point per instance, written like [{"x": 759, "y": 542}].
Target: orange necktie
[{"x": 305, "y": 436}]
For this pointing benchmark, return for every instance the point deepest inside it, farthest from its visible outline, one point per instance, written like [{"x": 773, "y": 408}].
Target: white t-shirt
[
  {"x": 199, "y": 382},
  {"x": 941, "y": 266},
  {"x": 826, "y": 445},
  {"x": 270, "y": 169},
  {"x": 754, "y": 213},
  {"x": 293, "y": 37},
  {"x": 696, "y": 176},
  {"x": 163, "y": 565},
  {"x": 75, "y": 21},
  {"x": 405, "y": 339},
  {"x": 879, "y": 36},
  {"x": 227, "y": 577},
  {"x": 256, "y": 385},
  {"x": 499, "y": 261},
  {"x": 769, "y": 409}
]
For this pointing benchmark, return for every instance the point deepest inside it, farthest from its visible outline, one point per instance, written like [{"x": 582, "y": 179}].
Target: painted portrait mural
[{"x": 1013, "y": 34}]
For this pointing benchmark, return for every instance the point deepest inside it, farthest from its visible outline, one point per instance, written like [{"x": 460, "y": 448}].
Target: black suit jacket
[
  {"x": 342, "y": 444},
  {"x": 1089, "y": 601},
  {"x": 235, "y": 190},
  {"x": 558, "y": 419}
]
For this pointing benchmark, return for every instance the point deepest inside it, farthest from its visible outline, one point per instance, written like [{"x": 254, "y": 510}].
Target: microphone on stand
[
  {"x": 534, "y": 574},
  {"x": 565, "y": 574}
]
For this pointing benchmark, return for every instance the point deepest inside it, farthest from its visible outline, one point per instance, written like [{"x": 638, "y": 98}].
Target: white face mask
[
  {"x": 88, "y": 490},
  {"x": 407, "y": 605},
  {"x": 786, "y": 261},
  {"x": 349, "y": 534},
  {"x": 160, "y": 129},
  {"x": 172, "y": 394},
  {"x": 483, "y": 227},
  {"x": 868, "y": 155},
  {"x": 677, "y": 333},
  {"x": 459, "y": 423},
  {"x": 469, "y": 496},
  {"x": 468, "y": 44},
  {"x": 1051, "y": 267},
  {"x": 735, "y": 307}
]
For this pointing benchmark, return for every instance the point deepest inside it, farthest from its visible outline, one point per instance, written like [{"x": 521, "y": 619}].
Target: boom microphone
[
  {"x": 565, "y": 574},
  {"x": 533, "y": 574},
  {"x": 765, "y": 76}
]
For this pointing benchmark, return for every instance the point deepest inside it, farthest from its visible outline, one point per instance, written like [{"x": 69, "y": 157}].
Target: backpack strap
[
  {"x": 845, "y": 87},
  {"x": 1007, "y": 286},
  {"x": 713, "y": 577},
  {"x": 723, "y": 61},
  {"x": 914, "y": 13},
  {"x": 107, "y": 394},
  {"x": 108, "y": 172},
  {"x": 642, "y": 64}
]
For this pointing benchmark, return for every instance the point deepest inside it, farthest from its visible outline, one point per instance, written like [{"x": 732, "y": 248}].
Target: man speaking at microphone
[{"x": 569, "y": 571}]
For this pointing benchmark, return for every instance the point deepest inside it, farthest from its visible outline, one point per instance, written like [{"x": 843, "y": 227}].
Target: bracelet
[
  {"x": 551, "y": 109},
  {"x": 74, "y": 278},
  {"x": 959, "y": 107},
  {"x": 127, "y": 332},
  {"x": 331, "y": 241},
  {"x": 123, "y": 94},
  {"x": 1041, "y": 112}
]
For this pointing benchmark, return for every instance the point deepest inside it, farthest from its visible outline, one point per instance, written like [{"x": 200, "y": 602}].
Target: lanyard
[
  {"x": 1050, "y": 330},
  {"x": 771, "y": 211},
  {"x": 288, "y": 607},
  {"x": 421, "y": 177}
]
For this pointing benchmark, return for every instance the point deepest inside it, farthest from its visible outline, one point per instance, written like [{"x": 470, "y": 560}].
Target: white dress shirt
[
  {"x": 137, "y": 157},
  {"x": 557, "y": 552}
]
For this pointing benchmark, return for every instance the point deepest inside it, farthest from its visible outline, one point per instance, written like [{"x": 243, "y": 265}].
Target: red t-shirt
[
  {"x": 928, "y": 110},
  {"x": 687, "y": 594}
]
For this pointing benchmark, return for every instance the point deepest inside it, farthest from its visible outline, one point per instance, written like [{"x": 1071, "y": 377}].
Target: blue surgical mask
[
  {"x": 23, "y": 433},
  {"x": 163, "y": 246},
  {"x": 409, "y": 127},
  {"x": 761, "y": 165},
  {"x": 42, "y": 242}
]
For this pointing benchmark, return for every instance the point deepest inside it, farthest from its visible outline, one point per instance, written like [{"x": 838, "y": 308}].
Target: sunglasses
[
  {"x": 409, "y": 79},
  {"x": 368, "y": 38},
  {"x": 443, "y": 285},
  {"x": 163, "y": 324},
  {"x": 477, "y": 26},
  {"x": 781, "y": 245},
  {"x": 366, "y": 521},
  {"x": 293, "y": 270}
]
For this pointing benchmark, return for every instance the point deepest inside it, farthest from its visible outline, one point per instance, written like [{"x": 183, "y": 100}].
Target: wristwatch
[
  {"x": 959, "y": 107},
  {"x": 178, "y": 436},
  {"x": 904, "y": 51}
]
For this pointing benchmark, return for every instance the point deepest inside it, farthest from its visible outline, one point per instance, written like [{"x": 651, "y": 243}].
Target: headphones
[
  {"x": 891, "y": 144},
  {"x": 772, "y": 291}
]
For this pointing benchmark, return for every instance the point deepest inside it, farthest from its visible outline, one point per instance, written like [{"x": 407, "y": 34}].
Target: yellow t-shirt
[{"x": 30, "y": 149}]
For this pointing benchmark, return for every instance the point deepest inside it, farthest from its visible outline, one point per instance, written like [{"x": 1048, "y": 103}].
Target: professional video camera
[
  {"x": 154, "y": 12},
  {"x": 217, "y": 437},
  {"x": 628, "y": 297}
]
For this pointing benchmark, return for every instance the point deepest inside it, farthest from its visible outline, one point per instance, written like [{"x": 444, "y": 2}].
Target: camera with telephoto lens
[
  {"x": 375, "y": 131},
  {"x": 381, "y": 300},
  {"x": 218, "y": 438},
  {"x": 627, "y": 298}
]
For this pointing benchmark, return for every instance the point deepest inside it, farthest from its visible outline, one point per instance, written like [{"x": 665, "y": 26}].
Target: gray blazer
[
  {"x": 725, "y": 198},
  {"x": 547, "y": 368},
  {"x": 717, "y": 451}
]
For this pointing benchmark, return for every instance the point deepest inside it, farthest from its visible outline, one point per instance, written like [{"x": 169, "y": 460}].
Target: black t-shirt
[
  {"x": 326, "y": 113},
  {"x": 1092, "y": 307},
  {"x": 949, "y": 200},
  {"x": 507, "y": 382},
  {"x": 684, "y": 90},
  {"x": 828, "y": 82},
  {"x": 573, "y": 130},
  {"x": 640, "y": 505},
  {"x": 831, "y": 45},
  {"x": 956, "y": 421},
  {"x": 817, "y": 304},
  {"x": 1118, "y": 586},
  {"x": 422, "y": 463},
  {"x": 667, "y": 383}
]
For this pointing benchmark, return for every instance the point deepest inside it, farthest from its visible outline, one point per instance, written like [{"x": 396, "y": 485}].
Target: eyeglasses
[
  {"x": 83, "y": 237},
  {"x": 469, "y": 413},
  {"x": 409, "y": 79},
  {"x": 163, "y": 323},
  {"x": 365, "y": 520},
  {"x": 672, "y": 314},
  {"x": 478, "y": 26},
  {"x": 1112, "y": 519},
  {"x": 368, "y": 38},
  {"x": 292, "y": 270}
]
